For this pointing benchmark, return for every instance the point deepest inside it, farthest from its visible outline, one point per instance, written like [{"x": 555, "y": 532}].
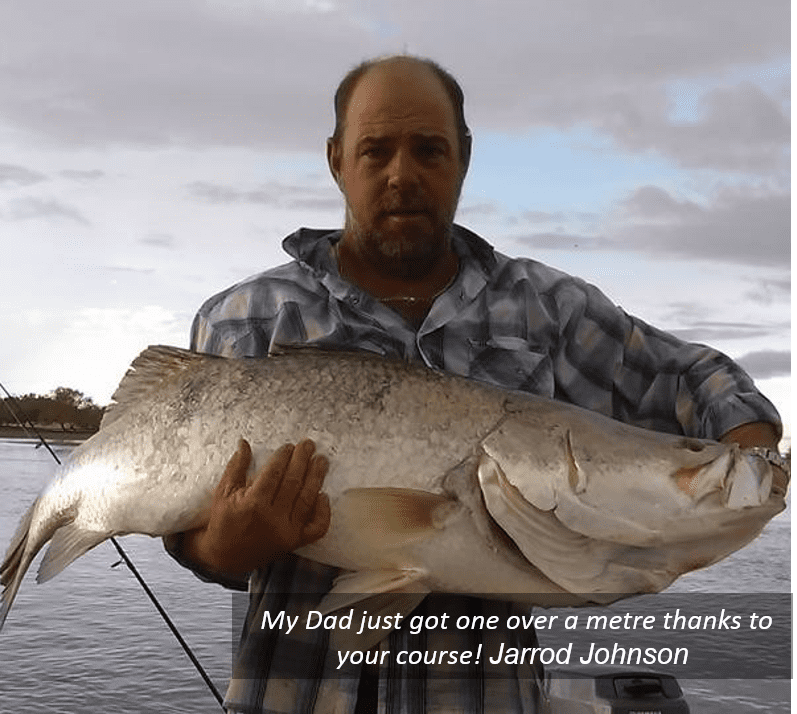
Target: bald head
[{"x": 406, "y": 68}]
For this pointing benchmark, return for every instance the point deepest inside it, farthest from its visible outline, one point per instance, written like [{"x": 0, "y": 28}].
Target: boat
[{"x": 611, "y": 691}]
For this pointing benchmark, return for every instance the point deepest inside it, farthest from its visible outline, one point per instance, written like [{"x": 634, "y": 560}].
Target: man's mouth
[{"x": 407, "y": 212}]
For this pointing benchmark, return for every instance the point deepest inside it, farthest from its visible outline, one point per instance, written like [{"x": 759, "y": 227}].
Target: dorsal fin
[{"x": 150, "y": 369}]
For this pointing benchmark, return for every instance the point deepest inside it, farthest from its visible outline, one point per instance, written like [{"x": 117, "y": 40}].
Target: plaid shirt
[{"x": 514, "y": 323}]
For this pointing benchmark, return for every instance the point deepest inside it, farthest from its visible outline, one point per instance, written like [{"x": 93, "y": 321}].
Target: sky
[{"x": 154, "y": 153}]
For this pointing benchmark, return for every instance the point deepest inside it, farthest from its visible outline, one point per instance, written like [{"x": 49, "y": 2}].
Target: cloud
[
  {"x": 216, "y": 193},
  {"x": 751, "y": 327},
  {"x": 563, "y": 241},
  {"x": 565, "y": 229},
  {"x": 316, "y": 203},
  {"x": 159, "y": 240},
  {"x": 183, "y": 72},
  {"x": 769, "y": 291},
  {"x": 215, "y": 73},
  {"x": 471, "y": 210},
  {"x": 707, "y": 331},
  {"x": 741, "y": 129},
  {"x": 616, "y": 76},
  {"x": 766, "y": 363},
  {"x": 272, "y": 193},
  {"x": 19, "y": 175},
  {"x": 743, "y": 224},
  {"x": 651, "y": 202},
  {"x": 78, "y": 175},
  {"x": 24, "y": 209},
  {"x": 542, "y": 216},
  {"x": 85, "y": 348},
  {"x": 126, "y": 269}
]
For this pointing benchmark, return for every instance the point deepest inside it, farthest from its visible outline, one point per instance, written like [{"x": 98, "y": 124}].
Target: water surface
[{"x": 90, "y": 641}]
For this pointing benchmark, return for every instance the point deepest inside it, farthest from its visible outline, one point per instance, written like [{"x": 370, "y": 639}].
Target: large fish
[{"x": 436, "y": 482}]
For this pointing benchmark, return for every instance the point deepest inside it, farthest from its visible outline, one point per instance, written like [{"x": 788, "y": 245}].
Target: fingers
[
  {"x": 234, "y": 476},
  {"x": 294, "y": 476},
  {"x": 291, "y": 480},
  {"x": 319, "y": 522},
  {"x": 308, "y": 495},
  {"x": 269, "y": 479}
]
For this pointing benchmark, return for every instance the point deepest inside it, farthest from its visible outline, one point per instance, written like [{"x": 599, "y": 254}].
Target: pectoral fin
[{"x": 392, "y": 517}]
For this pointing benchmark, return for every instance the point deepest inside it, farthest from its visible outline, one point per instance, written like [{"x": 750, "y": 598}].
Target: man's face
[{"x": 399, "y": 168}]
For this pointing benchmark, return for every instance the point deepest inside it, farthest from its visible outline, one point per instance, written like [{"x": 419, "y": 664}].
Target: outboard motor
[{"x": 611, "y": 691}]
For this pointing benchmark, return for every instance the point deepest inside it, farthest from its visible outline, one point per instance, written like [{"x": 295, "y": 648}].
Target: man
[{"x": 402, "y": 280}]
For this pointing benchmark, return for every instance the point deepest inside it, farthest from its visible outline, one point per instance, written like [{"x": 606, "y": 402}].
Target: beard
[{"x": 406, "y": 247}]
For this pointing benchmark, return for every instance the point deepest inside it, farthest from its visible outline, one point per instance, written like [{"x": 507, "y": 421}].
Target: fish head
[
  {"x": 612, "y": 481},
  {"x": 606, "y": 508}
]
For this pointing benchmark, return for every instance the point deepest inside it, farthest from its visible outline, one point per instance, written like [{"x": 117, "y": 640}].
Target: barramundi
[{"x": 436, "y": 482}]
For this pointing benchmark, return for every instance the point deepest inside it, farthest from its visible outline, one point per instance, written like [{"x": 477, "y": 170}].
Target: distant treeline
[{"x": 64, "y": 407}]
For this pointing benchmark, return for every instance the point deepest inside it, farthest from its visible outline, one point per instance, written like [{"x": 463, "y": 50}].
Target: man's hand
[{"x": 252, "y": 524}]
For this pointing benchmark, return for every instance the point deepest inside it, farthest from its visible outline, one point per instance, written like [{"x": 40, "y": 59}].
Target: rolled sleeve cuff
[
  {"x": 173, "y": 544},
  {"x": 740, "y": 409}
]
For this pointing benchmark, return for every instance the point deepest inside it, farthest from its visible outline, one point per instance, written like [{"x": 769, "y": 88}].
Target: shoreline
[{"x": 51, "y": 435}]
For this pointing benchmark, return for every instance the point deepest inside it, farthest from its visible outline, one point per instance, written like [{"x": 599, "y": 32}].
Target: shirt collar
[{"x": 313, "y": 246}]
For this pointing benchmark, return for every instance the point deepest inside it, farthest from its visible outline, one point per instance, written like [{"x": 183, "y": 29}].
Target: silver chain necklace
[{"x": 410, "y": 299}]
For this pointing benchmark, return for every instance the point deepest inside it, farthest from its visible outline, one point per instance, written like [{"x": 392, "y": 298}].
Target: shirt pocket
[{"x": 512, "y": 363}]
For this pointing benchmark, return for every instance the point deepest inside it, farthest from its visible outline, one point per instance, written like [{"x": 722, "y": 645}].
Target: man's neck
[
  {"x": 411, "y": 298},
  {"x": 380, "y": 283}
]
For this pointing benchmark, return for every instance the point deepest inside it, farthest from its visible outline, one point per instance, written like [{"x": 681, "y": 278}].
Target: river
[{"x": 90, "y": 640}]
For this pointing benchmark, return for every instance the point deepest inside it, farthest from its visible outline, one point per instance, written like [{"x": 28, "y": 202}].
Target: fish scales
[{"x": 429, "y": 475}]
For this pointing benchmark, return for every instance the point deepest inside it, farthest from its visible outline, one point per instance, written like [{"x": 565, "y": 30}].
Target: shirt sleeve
[
  {"x": 173, "y": 544},
  {"x": 621, "y": 366},
  {"x": 224, "y": 326}
]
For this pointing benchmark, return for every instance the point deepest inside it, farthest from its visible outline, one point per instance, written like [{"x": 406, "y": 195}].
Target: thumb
[{"x": 234, "y": 477}]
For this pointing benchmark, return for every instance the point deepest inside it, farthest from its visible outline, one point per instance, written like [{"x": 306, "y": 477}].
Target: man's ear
[
  {"x": 465, "y": 150},
  {"x": 333, "y": 160}
]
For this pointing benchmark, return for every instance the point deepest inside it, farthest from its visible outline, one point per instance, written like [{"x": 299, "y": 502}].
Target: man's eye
[
  {"x": 373, "y": 152},
  {"x": 431, "y": 151}
]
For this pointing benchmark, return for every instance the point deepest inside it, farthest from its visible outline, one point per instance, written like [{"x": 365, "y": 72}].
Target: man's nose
[{"x": 402, "y": 169}]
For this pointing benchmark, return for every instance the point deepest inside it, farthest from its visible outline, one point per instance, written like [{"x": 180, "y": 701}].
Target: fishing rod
[{"x": 121, "y": 552}]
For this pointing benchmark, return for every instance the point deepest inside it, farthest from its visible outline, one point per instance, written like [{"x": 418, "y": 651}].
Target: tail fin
[
  {"x": 67, "y": 542},
  {"x": 16, "y": 562}
]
